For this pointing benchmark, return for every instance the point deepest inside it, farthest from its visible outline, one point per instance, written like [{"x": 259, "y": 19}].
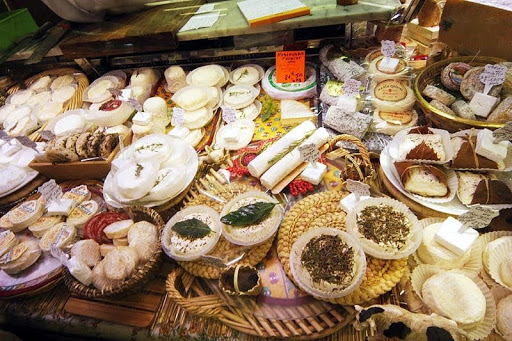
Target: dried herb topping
[
  {"x": 249, "y": 214},
  {"x": 191, "y": 228},
  {"x": 384, "y": 225},
  {"x": 328, "y": 258}
]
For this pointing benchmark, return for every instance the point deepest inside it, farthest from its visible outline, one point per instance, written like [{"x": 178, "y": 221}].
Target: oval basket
[
  {"x": 74, "y": 103},
  {"x": 141, "y": 274},
  {"x": 440, "y": 118}
]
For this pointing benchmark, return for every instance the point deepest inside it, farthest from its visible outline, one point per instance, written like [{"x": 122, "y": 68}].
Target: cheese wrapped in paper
[
  {"x": 263, "y": 161},
  {"x": 292, "y": 160}
]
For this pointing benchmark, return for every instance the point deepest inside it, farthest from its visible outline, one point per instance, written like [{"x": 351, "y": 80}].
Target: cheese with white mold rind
[
  {"x": 294, "y": 112},
  {"x": 486, "y": 147},
  {"x": 314, "y": 173},
  {"x": 347, "y": 103},
  {"x": 80, "y": 271},
  {"x": 142, "y": 118},
  {"x": 449, "y": 236},
  {"x": 25, "y": 214},
  {"x": 179, "y": 132},
  {"x": 482, "y": 105},
  {"x": 231, "y": 134},
  {"x": 350, "y": 201},
  {"x": 78, "y": 194},
  {"x": 136, "y": 180}
]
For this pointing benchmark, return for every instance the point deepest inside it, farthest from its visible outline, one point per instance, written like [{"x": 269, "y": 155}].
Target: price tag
[
  {"x": 388, "y": 48},
  {"x": 503, "y": 134},
  {"x": 213, "y": 261},
  {"x": 358, "y": 188},
  {"x": 493, "y": 74},
  {"x": 228, "y": 114},
  {"x": 351, "y": 87},
  {"x": 290, "y": 66},
  {"x": 477, "y": 217},
  {"x": 50, "y": 190},
  {"x": 309, "y": 153},
  {"x": 178, "y": 114}
]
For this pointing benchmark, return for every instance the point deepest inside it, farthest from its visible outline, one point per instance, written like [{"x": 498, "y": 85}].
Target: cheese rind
[
  {"x": 80, "y": 271},
  {"x": 449, "y": 236},
  {"x": 482, "y": 104}
]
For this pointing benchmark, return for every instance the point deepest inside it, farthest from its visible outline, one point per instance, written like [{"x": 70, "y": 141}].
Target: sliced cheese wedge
[
  {"x": 83, "y": 212},
  {"x": 119, "y": 229}
]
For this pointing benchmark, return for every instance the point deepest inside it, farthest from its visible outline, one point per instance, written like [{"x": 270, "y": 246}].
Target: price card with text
[
  {"x": 388, "y": 48},
  {"x": 290, "y": 66},
  {"x": 178, "y": 115},
  {"x": 309, "y": 153},
  {"x": 358, "y": 188},
  {"x": 477, "y": 217},
  {"x": 351, "y": 87},
  {"x": 494, "y": 74},
  {"x": 503, "y": 134},
  {"x": 50, "y": 191},
  {"x": 228, "y": 114}
]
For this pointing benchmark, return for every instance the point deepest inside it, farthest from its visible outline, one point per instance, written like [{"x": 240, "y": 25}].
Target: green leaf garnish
[
  {"x": 249, "y": 215},
  {"x": 191, "y": 228}
]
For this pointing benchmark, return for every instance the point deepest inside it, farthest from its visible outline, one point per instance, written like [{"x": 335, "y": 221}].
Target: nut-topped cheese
[
  {"x": 258, "y": 230},
  {"x": 191, "y": 233}
]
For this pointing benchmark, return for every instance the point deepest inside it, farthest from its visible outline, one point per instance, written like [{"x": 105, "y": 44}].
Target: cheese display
[
  {"x": 208, "y": 75},
  {"x": 476, "y": 149},
  {"x": 239, "y": 96},
  {"x": 248, "y": 74},
  {"x": 392, "y": 95},
  {"x": 25, "y": 214},
  {"x": 235, "y": 135},
  {"x": 175, "y": 78},
  {"x": 387, "y": 68},
  {"x": 353, "y": 123},
  {"x": 111, "y": 113},
  {"x": 20, "y": 257},
  {"x": 329, "y": 277},
  {"x": 423, "y": 143},
  {"x": 142, "y": 167},
  {"x": 294, "y": 91},
  {"x": 439, "y": 95},
  {"x": 471, "y": 84},
  {"x": 14, "y": 170},
  {"x": 191, "y": 233},
  {"x": 294, "y": 112},
  {"x": 424, "y": 180},
  {"x": 250, "y": 218},
  {"x": 452, "y": 75},
  {"x": 386, "y": 228},
  {"x": 391, "y": 123}
]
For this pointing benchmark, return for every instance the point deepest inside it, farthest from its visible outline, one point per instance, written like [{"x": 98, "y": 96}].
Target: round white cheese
[
  {"x": 135, "y": 180},
  {"x": 68, "y": 123}
]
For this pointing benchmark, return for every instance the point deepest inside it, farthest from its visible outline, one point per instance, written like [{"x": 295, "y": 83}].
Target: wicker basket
[
  {"x": 141, "y": 274},
  {"x": 439, "y": 118}
]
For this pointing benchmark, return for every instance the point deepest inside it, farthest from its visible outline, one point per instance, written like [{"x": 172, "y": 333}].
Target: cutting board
[
  {"x": 135, "y": 309},
  {"x": 146, "y": 31}
]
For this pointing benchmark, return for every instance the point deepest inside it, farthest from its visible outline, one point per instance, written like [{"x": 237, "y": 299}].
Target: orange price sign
[{"x": 290, "y": 66}]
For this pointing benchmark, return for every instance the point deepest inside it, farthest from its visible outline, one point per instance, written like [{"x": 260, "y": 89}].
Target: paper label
[
  {"x": 358, "y": 188},
  {"x": 28, "y": 207},
  {"x": 25, "y": 141},
  {"x": 478, "y": 217},
  {"x": 503, "y": 134},
  {"x": 351, "y": 87},
  {"x": 205, "y": 8},
  {"x": 213, "y": 261},
  {"x": 60, "y": 255},
  {"x": 309, "y": 153},
  {"x": 290, "y": 66},
  {"x": 87, "y": 208},
  {"x": 50, "y": 190},
  {"x": 47, "y": 135},
  {"x": 197, "y": 21},
  {"x": 494, "y": 74},
  {"x": 388, "y": 48},
  {"x": 334, "y": 88},
  {"x": 4, "y": 136},
  {"x": 398, "y": 118},
  {"x": 14, "y": 254},
  {"x": 178, "y": 116},
  {"x": 5, "y": 238},
  {"x": 401, "y": 66},
  {"x": 390, "y": 90},
  {"x": 228, "y": 114}
]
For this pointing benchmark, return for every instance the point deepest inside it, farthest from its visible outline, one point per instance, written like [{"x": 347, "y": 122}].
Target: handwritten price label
[
  {"x": 388, "y": 48},
  {"x": 309, "y": 153},
  {"x": 493, "y": 74},
  {"x": 228, "y": 114},
  {"x": 503, "y": 134},
  {"x": 358, "y": 188},
  {"x": 478, "y": 217},
  {"x": 351, "y": 87},
  {"x": 50, "y": 190},
  {"x": 290, "y": 66},
  {"x": 178, "y": 116}
]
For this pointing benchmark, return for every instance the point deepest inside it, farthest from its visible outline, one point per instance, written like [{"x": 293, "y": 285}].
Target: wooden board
[
  {"x": 150, "y": 30},
  {"x": 137, "y": 309}
]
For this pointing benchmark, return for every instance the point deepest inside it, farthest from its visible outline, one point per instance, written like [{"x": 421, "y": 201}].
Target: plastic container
[{"x": 15, "y": 25}]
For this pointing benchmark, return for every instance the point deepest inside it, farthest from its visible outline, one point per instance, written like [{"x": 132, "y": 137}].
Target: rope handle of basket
[
  {"x": 211, "y": 306},
  {"x": 340, "y": 152}
]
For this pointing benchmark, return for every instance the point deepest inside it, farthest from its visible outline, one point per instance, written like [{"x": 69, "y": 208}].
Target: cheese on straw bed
[
  {"x": 261, "y": 163},
  {"x": 292, "y": 160}
]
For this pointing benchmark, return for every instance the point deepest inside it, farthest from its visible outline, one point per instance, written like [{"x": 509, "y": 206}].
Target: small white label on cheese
[
  {"x": 482, "y": 104},
  {"x": 142, "y": 118},
  {"x": 314, "y": 172},
  {"x": 449, "y": 236},
  {"x": 231, "y": 134},
  {"x": 350, "y": 201},
  {"x": 61, "y": 207},
  {"x": 388, "y": 65}
]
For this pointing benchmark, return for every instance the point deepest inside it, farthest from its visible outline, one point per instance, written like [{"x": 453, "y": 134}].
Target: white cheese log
[
  {"x": 292, "y": 160},
  {"x": 261, "y": 163}
]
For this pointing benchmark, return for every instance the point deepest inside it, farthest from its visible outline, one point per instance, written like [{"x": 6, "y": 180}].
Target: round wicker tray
[
  {"x": 141, "y": 274},
  {"x": 252, "y": 255},
  {"x": 439, "y": 118},
  {"x": 323, "y": 210},
  {"x": 74, "y": 103}
]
